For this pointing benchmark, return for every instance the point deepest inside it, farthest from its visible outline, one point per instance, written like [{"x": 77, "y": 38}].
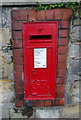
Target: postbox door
[{"x": 40, "y": 68}]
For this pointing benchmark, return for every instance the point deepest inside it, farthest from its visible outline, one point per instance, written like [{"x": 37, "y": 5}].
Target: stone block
[
  {"x": 74, "y": 51},
  {"x": 17, "y": 115},
  {"x": 7, "y": 90},
  {"x": 0, "y": 17},
  {"x": 11, "y": 75},
  {"x": 80, "y": 33},
  {"x": 74, "y": 92},
  {"x": 77, "y": 22},
  {"x": 4, "y": 35},
  {"x": 7, "y": 94},
  {"x": 6, "y": 59},
  {"x": 6, "y": 17},
  {"x": 75, "y": 34},
  {"x": 5, "y": 112},
  {"x": 74, "y": 77},
  {"x": 7, "y": 65},
  {"x": 74, "y": 67},
  {"x": 70, "y": 112},
  {"x": 47, "y": 113}
]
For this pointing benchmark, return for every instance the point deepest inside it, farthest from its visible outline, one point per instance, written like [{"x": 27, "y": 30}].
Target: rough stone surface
[
  {"x": 73, "y": 68},
  {"x": 77, "y": 22},
  {"x": 75, "y": 33},
  {"x": 47, "y": 113},
  {"x": 73, "y": 64},
  {"x": 13, "y": 114},
  {"x": 6, "y": 17},
  {"x": 0, "y": 100},
  {"x": 74, "y": 50},
  {"x": 20, "y": 2},
  {"x": 6, "y": 97},
  {"x": 70, "y": 112},
  {"x": 0, "y": 17},
  {"x": 20, "y": 113},
  {"x": 5, "y": 54},
  {"x": 74, "y": 92}
]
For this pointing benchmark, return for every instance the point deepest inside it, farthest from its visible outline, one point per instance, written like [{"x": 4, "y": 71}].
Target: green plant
[{"x": 74, "y": 6}]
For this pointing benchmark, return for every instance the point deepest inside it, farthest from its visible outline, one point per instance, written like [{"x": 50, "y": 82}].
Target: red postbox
[{"x": 40, "y": 59}]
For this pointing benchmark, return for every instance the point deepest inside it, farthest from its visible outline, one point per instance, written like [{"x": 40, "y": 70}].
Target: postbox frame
[{"x": 25, "y": 58}]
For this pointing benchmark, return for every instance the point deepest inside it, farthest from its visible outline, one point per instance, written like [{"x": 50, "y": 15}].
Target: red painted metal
[{"x": 40, "y": 82}]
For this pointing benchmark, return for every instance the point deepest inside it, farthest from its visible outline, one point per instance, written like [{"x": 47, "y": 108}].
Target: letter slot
[{"x": 40, "y": 37}]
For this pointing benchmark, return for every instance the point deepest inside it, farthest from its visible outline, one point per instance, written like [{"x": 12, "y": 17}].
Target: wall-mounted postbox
[{"x": 40, "y": 59}]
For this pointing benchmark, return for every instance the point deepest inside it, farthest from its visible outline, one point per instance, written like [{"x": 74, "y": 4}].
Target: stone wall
[
  {"x": 6, "y": 53},
  {"x": 73, "y": 63},
  {"x": 71, "y": 109}
]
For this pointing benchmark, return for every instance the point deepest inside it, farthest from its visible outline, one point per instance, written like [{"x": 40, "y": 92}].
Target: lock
[{"x": 34, "y": 72}]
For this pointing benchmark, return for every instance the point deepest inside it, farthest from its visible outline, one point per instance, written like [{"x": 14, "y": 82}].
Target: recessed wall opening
[{"x": 61, "y": 16}]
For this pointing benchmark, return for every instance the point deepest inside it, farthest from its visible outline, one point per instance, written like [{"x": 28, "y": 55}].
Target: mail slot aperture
[{"x": 40, "y": 37}]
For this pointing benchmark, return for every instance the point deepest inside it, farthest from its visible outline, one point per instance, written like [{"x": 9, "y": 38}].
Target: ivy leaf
[{"x": 74, "y": 6}]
